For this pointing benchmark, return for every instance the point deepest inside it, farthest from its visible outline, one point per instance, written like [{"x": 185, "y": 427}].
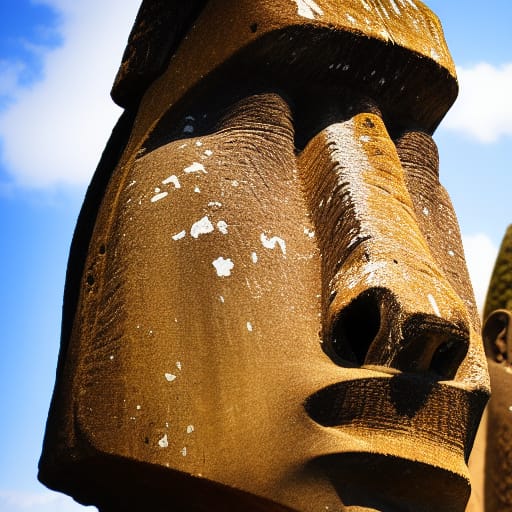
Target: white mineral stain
[
  {"x": 249, "y": 326},
  {"x": 365, "y": 5},
  {"x": 221, "y": 298},
  {"x": 164, "y": 442},
  {"x": 180, "y": 235},
  {"x": 178, "y": 365},
  {"x": 434, "y": 305},
  {"x": 223, "y": 266},
  {"x": 308, "y": 9},
  {"x": 395, "y": 7},
  {"x": 139, "y": 407},
  {"x": 434, "y": 54},
  {"x": 426, "y": 211},
  {"x": 351, "y": 18},
  {"x": 270, "y": 243},
  {"x": 170, "y": 377},
  {"x": 235, "y": 183},
  {"x": 172, "y": 179},
  {"x": 159, "y": 196},
  {"x": 111, "y": 358},
  {"x": 184, "y": 451},
  {"x": 222, "y": 227},
  {"x": 197, "y": 190},
  {"x": 208, "y": 152},
  {"x": 201, "y": 227},
  {"x": 195, "y": 167},
  {"x": 451, "y": 253},
  {"x": 190, "y": 429},
  {"x": 254, "y": 257},
  {"x": 215, "y": 203},
  {"x": 365, "y": 138},
  {"x": 199, "y": 143}
]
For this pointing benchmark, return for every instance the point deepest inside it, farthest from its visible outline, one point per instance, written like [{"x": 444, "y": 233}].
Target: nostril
[
  {"x": 432, "y": 345},
  {"x": 448, "y": 357},
  {"x": 356, "y": 327}
]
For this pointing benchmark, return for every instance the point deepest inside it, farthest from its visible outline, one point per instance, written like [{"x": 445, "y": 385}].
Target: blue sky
[{"x": 58, "y": 59}]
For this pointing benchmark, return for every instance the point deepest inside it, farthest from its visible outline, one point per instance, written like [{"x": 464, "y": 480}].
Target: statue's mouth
[{"x": 404, "y": 415}]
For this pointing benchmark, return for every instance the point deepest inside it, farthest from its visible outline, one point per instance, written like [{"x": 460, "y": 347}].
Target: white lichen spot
[
  {"x": 426, "y": 211},
  {"x": 434, "y": 54},
  {"x": 249, "y": 326},
  {"x": 365, "y": 138},
  {"x": 172, "y": 179},
  {"x": 199, "y": 143},
  {"x": 169, "y": 377},
  {"x": 159, "y": 196},
  {"x": 195, "y": 167},
  {"x": 183, "y": 146},
  {"x": 190, "y": 429},
  {"x": 164, "y": 442},
  {"x": 510, "y": 408},
  {"x": 111, "y": 358},
  {"x": 223, "y": 266},
  {"x": 351, "y": 18},
  {"x": 395, "y": 7},
  {"x": 434, "y": 305},
  {"x": 221, "y": 298},
  {"x": 451, "y": 253},
  {"x": 365, "y": 5},
  {"x": 309, "y": 232},
  {"x": 197, "y": 190},
  {"x": 208, "y": 152},
  {"x": 270, "y": 243},
  {"x": 254, "y": 257},
  {"x": 235, "y": 183},
  {"x": 201, "y": 227},
  {"x": 138, "y": 407},
  {"x": 184, "y": 451},
  {"x": 180, "y": 235},
  {"x": 215, "y": 203},
  {"x": 222, "y": 226},
  {"x": 308, "y": 9},
  {"x": 178, "y": 365}
]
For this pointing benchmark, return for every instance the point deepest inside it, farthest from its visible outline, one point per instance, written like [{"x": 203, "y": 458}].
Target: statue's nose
[
  {"x": 386, "y": 302},
  {"x": 376, "y": 329}
]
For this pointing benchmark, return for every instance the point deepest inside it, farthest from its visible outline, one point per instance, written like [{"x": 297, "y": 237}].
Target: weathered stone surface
[{"x": 267, "y": 306}]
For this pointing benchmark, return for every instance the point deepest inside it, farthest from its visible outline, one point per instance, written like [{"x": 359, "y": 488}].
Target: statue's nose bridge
[{"x": 386, "y": 303}]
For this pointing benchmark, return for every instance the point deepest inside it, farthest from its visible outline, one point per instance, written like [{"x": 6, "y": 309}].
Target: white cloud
[
  {"x": 44, "y": 501},
  {"x": 483, "y": 110},
  {"x": 55, "y": 129},
  {"x": 480, "y": 257}
]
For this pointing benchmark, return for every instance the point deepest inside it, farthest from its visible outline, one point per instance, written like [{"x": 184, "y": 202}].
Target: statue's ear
[
  {"x": 497, "y": 335},
  {"x": 158, "y": 30}
]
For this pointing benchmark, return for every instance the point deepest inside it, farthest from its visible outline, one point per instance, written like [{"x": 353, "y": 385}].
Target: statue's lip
[{"x": 405, "y": 415}]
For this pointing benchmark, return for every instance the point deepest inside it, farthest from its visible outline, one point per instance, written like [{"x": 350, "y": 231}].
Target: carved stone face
[{"x": 274, "y": 312}]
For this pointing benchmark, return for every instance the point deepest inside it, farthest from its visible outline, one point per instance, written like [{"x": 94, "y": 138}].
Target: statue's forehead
[
  {"x": 406, "y": 23},
  {"x": 162, "y": 26}
]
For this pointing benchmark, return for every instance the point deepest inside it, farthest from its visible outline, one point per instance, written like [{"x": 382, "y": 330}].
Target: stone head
[{"x": 267, "y": 305}]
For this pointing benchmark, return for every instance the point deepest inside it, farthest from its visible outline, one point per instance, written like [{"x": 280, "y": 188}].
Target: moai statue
[
  {"x": 497, "y": 334},
  {"x": 267, "y": 306}
]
